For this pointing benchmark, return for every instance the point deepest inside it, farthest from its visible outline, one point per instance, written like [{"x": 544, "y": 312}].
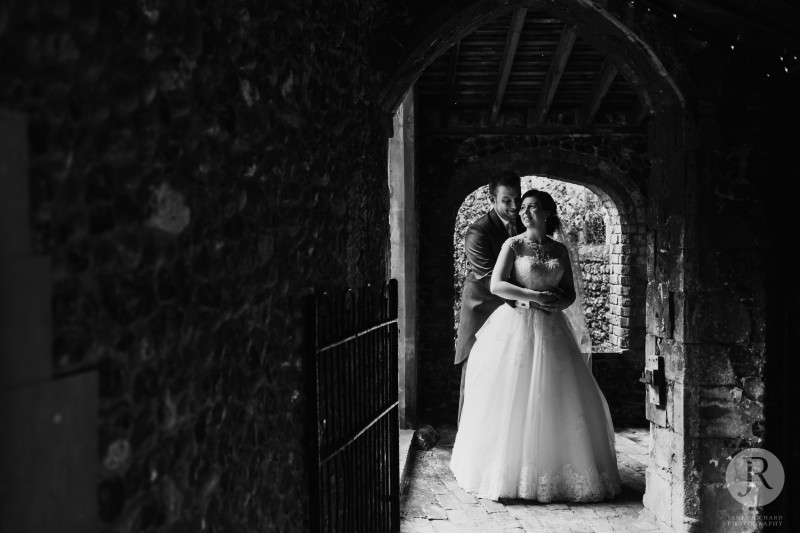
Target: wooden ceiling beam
[
  {"x": 557, "y": 65},
  {"x": 601, "y": 86},
  {"x": 512, "y": 40},
  {"x": 447, "y": 102}
]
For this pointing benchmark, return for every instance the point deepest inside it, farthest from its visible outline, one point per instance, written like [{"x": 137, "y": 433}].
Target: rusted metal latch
[{"x": 655, "y": 379}]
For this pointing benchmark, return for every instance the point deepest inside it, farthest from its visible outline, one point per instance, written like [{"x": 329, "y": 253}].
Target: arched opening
[
  {"x": 606, "y": 315},
  {"x": 437, "y": 383},
  {"x": 584, "y": 220},
  {"x": 613, "y": 159}
]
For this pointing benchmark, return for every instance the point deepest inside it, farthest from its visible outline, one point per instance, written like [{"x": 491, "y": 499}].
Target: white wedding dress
[{"x": 534, "y": 424}]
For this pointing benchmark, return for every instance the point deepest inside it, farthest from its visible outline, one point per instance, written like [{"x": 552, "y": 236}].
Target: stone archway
[
  {"x": 438, "y": 204},
  {"x": 673, "y": 490},
  {"x": 617, "y": 369},
  {"x": 623, "y": 200}
]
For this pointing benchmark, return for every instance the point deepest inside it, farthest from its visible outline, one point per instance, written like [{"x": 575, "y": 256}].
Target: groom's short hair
[{"x": 506, "y": 178}]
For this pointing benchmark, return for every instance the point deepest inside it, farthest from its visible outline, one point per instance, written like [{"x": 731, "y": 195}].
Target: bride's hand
[
  {"x": 544, "y": 297},
  {"x": 557, "y": 301},
  {"x": 539, "y": 306}
]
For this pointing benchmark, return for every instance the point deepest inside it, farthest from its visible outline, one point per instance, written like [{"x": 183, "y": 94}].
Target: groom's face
[{"x": 506, "y": 201}]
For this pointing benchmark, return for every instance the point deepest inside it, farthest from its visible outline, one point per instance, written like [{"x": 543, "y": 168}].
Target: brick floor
[{"x": 433, "y": 502}]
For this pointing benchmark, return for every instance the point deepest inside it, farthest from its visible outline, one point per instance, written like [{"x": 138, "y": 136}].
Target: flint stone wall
[
  {"x": 595, "y": 270},
  {"x": 196, "y": 167}
]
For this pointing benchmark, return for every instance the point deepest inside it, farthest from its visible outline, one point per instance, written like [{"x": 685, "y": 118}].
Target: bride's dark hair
[{"x": 553, "y": 223}]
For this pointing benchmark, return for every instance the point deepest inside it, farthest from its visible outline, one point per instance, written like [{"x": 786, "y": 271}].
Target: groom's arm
[{"x": 478, "y": 249}]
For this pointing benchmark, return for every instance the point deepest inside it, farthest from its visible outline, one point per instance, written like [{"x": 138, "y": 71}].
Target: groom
[{"x": 482, "y": 246}]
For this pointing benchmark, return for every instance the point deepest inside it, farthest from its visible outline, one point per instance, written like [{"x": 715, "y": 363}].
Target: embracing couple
[{"x": 533, "y": 424}]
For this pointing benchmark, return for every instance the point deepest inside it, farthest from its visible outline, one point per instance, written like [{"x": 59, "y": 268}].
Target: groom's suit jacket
[{"x": 482, "y": 246}]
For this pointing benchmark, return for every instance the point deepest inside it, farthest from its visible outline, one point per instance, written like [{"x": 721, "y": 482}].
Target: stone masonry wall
[
  {"x": 595, "y": 269},
  {"x": 706, "y": 300},
  {"x": 617, "y": 371},
  {"x": 195, "y": 167}
]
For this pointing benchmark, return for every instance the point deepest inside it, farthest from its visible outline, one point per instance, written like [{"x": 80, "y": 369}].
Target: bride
[{"x": 534, "y": 425}]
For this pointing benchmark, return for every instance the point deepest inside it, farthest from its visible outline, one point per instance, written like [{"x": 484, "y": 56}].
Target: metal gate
[{"x": 351, "y": 379}]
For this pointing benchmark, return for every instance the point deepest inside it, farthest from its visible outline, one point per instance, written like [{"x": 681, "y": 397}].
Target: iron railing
[{"x": 351, "y": 379}]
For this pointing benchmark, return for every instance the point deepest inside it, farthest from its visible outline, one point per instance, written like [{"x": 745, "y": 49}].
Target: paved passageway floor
[{"x": 432, "y": 501}]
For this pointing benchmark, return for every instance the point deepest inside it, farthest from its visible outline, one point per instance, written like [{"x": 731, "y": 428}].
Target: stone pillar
[
  {"x": 705, "y": 319},
  {"x": 669, "y": 489},
  {"x": 719, "y": 312},
  {"x": 48, "y": 427},
  {"x": 403, "y": 224},
  {"x": 626, "y": 316},
  {"x": 627, "y": 281},
  {"x": 619, "y": 255}
]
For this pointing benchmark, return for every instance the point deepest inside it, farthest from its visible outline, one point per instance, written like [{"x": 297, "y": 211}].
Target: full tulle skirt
[{"x": 534, "y": 424}]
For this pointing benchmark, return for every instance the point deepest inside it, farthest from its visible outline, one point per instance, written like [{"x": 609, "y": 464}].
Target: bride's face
[{"x": 532, "y": 213}]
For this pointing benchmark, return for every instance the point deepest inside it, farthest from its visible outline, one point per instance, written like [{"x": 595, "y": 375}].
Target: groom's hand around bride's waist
[
  {"x": 547, "y": 301},
  {"x": 554, "y": 300},
  {"x": 545, "y": 297}
]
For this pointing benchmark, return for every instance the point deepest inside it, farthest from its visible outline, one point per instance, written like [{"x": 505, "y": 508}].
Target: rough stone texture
[
  {"x": 595, "y": 269},
  {"x": 195, "y": 167},
  {"x": 706, "y": 298},
  {"x": 623, "y": 153}
]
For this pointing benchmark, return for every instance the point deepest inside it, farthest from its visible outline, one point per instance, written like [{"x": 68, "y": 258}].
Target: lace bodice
[{"x": 537, "y": 266}]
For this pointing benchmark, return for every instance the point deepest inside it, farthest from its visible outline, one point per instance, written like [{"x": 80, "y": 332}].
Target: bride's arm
[
  {"x": 500, "y": 287},
  {"x": 566, "y": 294},
  {"x": 505, "y": 289}
]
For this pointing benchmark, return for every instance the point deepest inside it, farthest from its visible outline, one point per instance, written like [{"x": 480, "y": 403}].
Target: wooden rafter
[
  {"x": 447, "y": 102},
  {"x": 512, "y": 40},
  {"x": 548, "y": 92},
  {"x": 601, "y": 86}
]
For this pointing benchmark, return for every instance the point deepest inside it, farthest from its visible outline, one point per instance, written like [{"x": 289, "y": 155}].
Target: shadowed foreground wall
[{"x": 194, "y": 167}]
